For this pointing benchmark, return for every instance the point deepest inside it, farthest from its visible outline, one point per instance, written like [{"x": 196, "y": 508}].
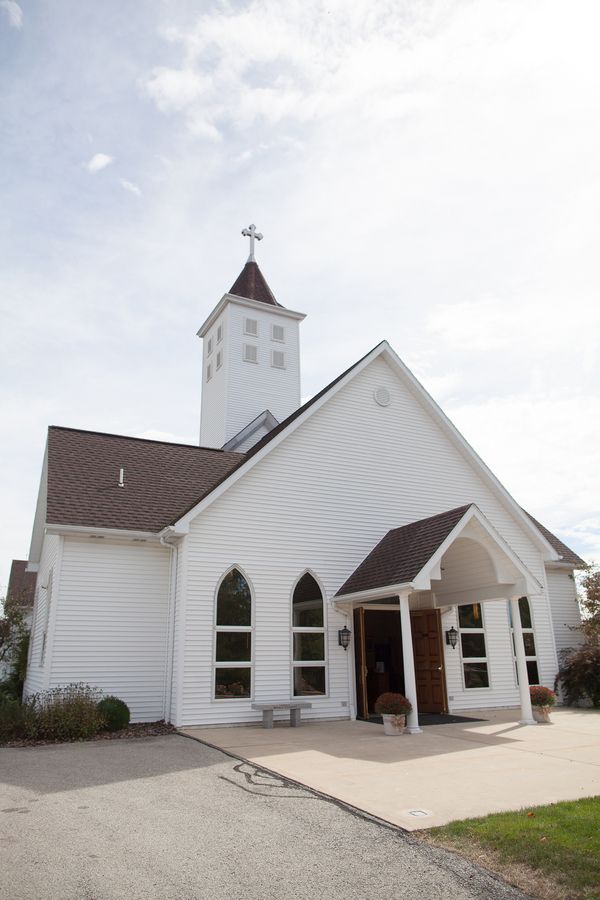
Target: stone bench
[{"x": 294, "y": 707}]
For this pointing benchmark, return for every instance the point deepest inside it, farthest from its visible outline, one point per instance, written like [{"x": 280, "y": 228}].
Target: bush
[
  {"x": 67, "y": 713},
  {"x": 392, "y": 705},
  {"x": 579, "y": 675},
  {"x": 114, "y": 712},
  {"x": 542, "y": 696},
  {"x": 12, "y": 719}
]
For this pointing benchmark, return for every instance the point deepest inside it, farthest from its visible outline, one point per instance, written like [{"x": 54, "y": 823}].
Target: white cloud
[
  {"x": 98, "y": 162},
  {"x": 130, "y": 186},
  {"x": 13, "y": 12}
]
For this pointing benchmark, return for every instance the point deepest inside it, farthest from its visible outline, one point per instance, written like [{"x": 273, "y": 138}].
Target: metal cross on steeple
[{"x": 253, "y": 235}]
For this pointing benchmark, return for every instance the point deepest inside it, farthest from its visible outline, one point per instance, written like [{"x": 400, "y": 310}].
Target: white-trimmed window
[
  {"x": 528, "y": 640},
  {"x": 233, "y": 638},
  {"x": 309, "y": 670},
  {"x": 46, "y": 617},
  {"x": 219, "y": 334},
  {"x": 250, "y": 353},
  {"x": 473, "y": 646},
  {"x": 278, "y": 359},
  {"x": 278, "y": 333},
  {"x": 251, "y": 327},
  {"x": 209, "y": 346},
  {"x": 209, "y": 372},
  {"x": 219, "y": 359}
]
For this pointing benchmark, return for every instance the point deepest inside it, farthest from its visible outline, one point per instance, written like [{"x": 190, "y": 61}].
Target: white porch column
[
  {"x": 526, "y": 713},
  {"x": 410, "y": 681}
]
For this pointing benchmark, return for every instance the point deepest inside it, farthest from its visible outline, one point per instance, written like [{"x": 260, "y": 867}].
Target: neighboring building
[
  {"x": 194, "y": 581},
  {"x": 20, "y": 592},
  {"x": 21, "y": 587}
]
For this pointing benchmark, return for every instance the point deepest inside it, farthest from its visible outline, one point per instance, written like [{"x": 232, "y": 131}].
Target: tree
[
  {"x": 579, "y": 673},
  {"x": 14, "y": 642},
  {"x": 589, "y": 601}
]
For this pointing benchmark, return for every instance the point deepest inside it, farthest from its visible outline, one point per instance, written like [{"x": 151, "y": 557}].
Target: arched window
[
  {"x": 528, "y": 640},
  {"x": 308, "y": 637},
  {"x": 233, "y": 645}
]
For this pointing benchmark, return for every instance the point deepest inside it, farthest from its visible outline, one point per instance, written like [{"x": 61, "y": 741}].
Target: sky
[{"x": 424, "y": 171}]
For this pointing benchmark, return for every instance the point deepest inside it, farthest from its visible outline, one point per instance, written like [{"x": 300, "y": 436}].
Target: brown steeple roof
[{"x": 251, "y": 284}]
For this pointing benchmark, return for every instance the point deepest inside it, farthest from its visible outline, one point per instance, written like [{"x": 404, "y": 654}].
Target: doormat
[{"x": 431, "y": 719}]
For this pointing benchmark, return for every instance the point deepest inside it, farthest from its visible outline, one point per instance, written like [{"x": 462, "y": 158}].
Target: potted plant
[
  {"x": 542, "y": 700},
  {"x": 393, "y": 708}
]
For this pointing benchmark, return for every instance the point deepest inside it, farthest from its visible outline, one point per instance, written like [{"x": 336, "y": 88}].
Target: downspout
[{"x": 171, "y": 609}]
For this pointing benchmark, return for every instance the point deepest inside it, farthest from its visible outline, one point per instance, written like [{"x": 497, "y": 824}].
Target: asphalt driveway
[{"x": 168, "y": 817}]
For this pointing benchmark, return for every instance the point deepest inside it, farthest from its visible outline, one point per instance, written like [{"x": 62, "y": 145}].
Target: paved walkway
[
  {"x": 168, "y": 818},
  {"x": 447, "y": 772}
]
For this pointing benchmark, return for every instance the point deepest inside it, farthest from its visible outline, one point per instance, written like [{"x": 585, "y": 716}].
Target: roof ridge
[
  {"x": 131, "y": 437},
  {"x": 446, "y": 512}
]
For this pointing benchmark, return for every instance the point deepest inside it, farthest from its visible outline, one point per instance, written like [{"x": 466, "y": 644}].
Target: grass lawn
[{"x": 557, "y": 844}]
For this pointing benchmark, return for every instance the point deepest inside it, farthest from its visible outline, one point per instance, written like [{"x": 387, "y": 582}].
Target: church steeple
[
  {"x": 251, "y": 358},
  {"x": 251, "y": 283}
]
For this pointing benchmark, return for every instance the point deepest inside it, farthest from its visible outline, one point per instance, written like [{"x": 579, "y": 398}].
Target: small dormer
[{"x": 251, "y": 361}]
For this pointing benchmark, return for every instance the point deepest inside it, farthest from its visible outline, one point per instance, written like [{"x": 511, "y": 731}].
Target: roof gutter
[{"x": 91, "y": 531}]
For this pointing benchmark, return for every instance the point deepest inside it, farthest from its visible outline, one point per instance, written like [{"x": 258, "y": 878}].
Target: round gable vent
[{"x": 382, "y": 396}]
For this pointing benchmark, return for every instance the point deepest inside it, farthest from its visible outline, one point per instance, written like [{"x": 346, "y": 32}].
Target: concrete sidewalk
[{"x": 448, "y": 772}]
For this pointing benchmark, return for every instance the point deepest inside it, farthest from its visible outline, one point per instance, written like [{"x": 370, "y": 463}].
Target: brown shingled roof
[
  {"x": 252, "y": 285},
  {"x": 567, "y": 555},
  {"x": 402, "y": 553},
  {"x": 161, "y": 479},
  {"x": 21, "y": 584}
]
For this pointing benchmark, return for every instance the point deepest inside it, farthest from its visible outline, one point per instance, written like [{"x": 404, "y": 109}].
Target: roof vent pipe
[{"x": 121, "y": 482}]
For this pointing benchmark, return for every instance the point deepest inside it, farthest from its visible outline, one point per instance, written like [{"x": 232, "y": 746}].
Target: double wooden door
[{"x": 371, "y": 673}]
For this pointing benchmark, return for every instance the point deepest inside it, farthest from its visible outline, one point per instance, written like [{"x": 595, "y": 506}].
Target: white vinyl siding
[
  {"x": 111, "y": 621},
  {"x": 35, "y": 680},
  {"x": 565, "y": 608},
  {"x": 324, "y": 497}
]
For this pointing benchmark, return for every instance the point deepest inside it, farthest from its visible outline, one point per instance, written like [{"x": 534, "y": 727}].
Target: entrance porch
[{"x": 395, "y": 599}]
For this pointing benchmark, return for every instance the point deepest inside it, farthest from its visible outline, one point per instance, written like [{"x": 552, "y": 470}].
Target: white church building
[{"x": 327, "y": 552}]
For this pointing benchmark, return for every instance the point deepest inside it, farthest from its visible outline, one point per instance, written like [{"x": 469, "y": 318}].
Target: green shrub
[
  {"x": 579, "y": 674},
  {"x": 114, "y": 712},
  {"x": 68, "y": 713},
  {"x": 12, "y": 719}
]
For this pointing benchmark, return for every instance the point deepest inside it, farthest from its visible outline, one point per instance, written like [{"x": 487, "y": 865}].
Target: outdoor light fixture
[
  {"x": 344, "y": 637},
  {"x": 452, "y": 637}
]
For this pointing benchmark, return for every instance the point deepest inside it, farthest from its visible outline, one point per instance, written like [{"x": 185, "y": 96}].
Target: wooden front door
[
  {"x": 429, "y": 660},
  {"x": 360, "y": 661}
]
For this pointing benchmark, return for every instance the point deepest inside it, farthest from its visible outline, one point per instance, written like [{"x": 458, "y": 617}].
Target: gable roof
[
  {"x": 251, "y": 283},
  {"x": 160, "y": 479},
  {"x": 83, "y": 471},
  {"x": 401, "y": 554},
  {"x": 21, "y": 584},
  {"x": 567, "y": 555}
]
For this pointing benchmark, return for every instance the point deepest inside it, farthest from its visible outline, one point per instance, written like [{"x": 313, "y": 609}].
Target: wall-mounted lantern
[
  {"x": 452, "y": 637},
  {"x": 344, "y": 637}
]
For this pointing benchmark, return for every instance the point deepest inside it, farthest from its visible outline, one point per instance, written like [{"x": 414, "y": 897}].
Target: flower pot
[
  {"x": 541, "y": 713},
  {"x": 393, "y": 725}
]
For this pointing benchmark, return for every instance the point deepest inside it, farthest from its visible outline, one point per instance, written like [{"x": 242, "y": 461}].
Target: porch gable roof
[{"x": 403, "y": 552}]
